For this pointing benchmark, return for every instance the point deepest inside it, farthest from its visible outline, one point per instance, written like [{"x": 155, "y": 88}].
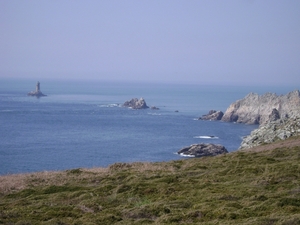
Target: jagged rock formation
[
  {"x": 261, "y": 109},
  {"x": 276, "y": 130},
  {"x": 212, "y": 115},
  {"x": 200, "y": 150},
  {"x": 37, "y": 92},
  {"x": 136, "y": 104},
  {"x": 274, "y": 115}
]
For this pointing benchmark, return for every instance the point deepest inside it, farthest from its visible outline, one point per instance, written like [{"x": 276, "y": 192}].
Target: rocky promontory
[
  {"x": 212, "y": 115},
  {"x": 273, "y": 131},
  {"x": 277, "y": 115},
  {"x": 261, "y": 109},
  {"x": 136, "y": 103},
  {"x": 200, "y": 150}
]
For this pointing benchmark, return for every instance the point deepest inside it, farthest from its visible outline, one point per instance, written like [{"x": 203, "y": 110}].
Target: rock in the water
[
  {"x": 260, "y": 109},
  {"x": 277, "y": 130},
  {"x": 200, "y": 150},
  {"x": 136, "y": 104},
  {"x": 154, "y": 108},
  {"x": 212, "y": 115}
]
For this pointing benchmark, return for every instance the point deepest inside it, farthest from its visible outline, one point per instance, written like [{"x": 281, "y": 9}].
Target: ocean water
[{"x": 82, "y": 124}]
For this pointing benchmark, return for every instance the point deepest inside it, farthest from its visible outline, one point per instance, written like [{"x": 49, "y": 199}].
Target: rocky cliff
[
  {"x": 277, "y": 130},
  {"x": 261, "y": 109}
]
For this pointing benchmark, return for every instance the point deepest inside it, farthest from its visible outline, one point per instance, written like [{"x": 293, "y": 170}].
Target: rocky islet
[
  {"x": 136, "y": 103},
  {"x": 202, "y": 149}
]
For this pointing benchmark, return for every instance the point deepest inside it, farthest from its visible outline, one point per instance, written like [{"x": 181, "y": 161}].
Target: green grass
[{"x": 238, "y": 188}]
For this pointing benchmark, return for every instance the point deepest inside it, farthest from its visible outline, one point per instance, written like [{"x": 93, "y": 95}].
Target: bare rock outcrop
[
  {"x": 136, "y": 104},
  {"x": 274, "y": 115},
  {"x": 200, "y": 150},
  {"x": 212, "y": 115},
  {"x": 276, "y": 130},
  {"x": 261, "y": 109}
]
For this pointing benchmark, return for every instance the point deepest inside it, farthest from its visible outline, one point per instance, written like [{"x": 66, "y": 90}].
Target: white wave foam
[
  {"x": 189, "y": 156},
  {"x": 207, "y": 137},
  {"x": 114, "y": 105},
  {"x": 109, "y": 105},
  {"x": 155, "y": 114}
]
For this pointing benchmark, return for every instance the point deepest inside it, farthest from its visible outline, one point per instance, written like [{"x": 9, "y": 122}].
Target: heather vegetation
[{"x": 259, "y": 186}]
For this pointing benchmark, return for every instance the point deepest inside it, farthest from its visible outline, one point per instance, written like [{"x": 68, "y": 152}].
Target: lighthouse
[
  {"x": 37, "y": 87},
  {"x": 37, "y": 93}
]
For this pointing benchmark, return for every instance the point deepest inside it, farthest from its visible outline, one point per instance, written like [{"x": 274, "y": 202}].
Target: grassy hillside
[{"x": 245, "y": 187}]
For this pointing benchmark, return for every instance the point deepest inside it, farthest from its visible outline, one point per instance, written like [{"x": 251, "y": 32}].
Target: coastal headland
[
  {"x": 278, "y": 117},
  {"x": 259, "y": 109}
]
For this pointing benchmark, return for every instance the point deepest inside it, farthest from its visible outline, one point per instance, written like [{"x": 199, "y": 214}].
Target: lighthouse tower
[
  {"x": 37, "y": 93},
  {"x": 37, "y": 89}
]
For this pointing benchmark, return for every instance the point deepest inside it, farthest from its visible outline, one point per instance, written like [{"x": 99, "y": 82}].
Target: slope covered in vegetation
[{"x": 258, "y": 186}]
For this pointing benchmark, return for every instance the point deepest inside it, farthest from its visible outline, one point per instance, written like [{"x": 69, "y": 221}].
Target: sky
[{"x": 176, "y": 41}]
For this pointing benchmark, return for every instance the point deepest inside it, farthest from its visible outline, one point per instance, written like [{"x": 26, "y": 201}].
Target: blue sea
[{"x": 82, "y": 124}]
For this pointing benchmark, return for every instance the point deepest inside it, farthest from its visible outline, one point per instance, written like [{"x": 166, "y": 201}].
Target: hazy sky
[{"x": 201, "y": 41}]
